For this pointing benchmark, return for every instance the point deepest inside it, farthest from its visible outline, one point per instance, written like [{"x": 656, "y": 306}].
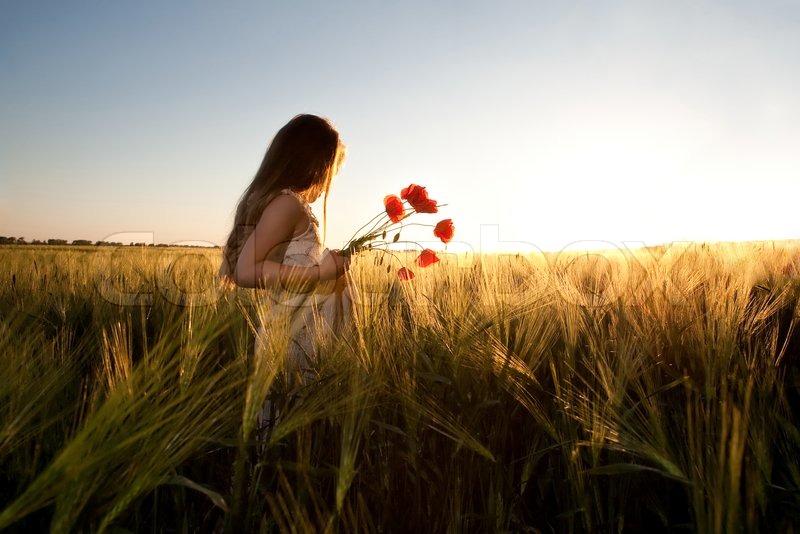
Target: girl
[{"x": 275, "y": 242}]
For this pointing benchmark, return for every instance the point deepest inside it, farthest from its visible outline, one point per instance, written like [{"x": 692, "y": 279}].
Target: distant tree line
[{"x": 78, "y": 242}]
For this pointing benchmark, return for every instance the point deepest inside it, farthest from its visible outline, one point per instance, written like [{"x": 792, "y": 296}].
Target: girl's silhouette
[{"x": 275, "y": 242}]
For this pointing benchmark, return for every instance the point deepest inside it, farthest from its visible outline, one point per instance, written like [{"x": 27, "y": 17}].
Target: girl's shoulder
[{"x": 306, "y": 207}]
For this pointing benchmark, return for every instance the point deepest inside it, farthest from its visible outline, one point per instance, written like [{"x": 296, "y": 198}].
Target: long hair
[{"x": 304, "y": 156}]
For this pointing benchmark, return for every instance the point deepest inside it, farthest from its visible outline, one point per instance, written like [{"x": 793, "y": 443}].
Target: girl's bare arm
[{"x": 277, "y": 225}]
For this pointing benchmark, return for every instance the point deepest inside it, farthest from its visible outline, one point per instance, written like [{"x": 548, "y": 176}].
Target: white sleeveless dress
[{"x": 311, "y": 317}]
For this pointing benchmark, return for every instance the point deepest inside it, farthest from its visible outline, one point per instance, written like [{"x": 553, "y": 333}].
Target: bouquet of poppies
[{"x": 373, "y": 235}]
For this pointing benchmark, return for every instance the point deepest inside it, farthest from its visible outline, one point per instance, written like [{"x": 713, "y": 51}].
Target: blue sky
[{"x": 536, "y": 122}]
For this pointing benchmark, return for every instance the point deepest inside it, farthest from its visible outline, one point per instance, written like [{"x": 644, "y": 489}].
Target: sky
[{"x": 542, "y": 125}]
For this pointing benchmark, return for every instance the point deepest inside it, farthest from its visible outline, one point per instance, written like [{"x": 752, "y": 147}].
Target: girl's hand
[{"x": 333, "y": 265}]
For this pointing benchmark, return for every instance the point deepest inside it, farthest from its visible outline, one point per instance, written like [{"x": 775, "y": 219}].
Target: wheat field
[{"x": 620, "y": 391}]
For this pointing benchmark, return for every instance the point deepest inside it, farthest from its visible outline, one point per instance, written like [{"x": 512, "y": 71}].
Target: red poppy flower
[
  {"x": 405, "y": 274},
  {"x": 428, "y": 257},
  {"x": 413, "y": 192},
  {"x": 394, "y": 208},
  {"x": 426, "y": 206},
  {"x": 444, "y": 230},
  {"x": 417, "y": 196}
]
